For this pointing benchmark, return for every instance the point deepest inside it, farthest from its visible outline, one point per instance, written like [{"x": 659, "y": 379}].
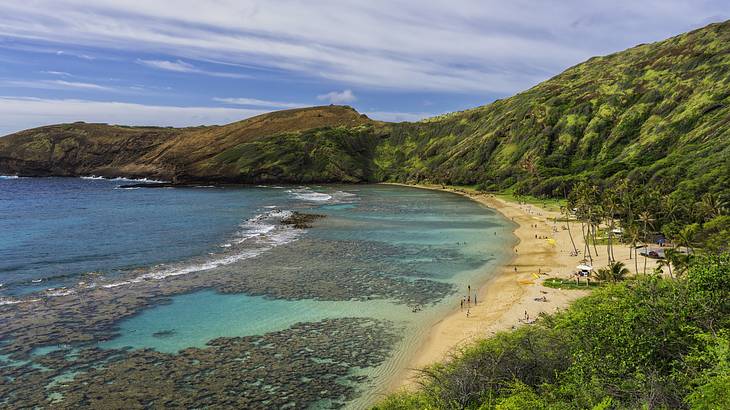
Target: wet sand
[{"x": 504, "y": 299}]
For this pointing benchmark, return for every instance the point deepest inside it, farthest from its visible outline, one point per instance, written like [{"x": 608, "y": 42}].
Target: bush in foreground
[{"x": 650, "y": 343}]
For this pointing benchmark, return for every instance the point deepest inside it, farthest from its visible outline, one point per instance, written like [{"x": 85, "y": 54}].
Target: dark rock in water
[
  {"x": 301, "y": 220},
  {"x": 164, "y": 333}
]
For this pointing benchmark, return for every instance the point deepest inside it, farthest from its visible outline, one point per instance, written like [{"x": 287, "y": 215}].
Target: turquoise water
[
  {"x": 195, "y": 319},
  {"x": 402, "y": 256}
]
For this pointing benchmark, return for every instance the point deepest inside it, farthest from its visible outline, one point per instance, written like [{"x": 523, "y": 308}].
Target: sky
[{"x": 191, "y": 62}]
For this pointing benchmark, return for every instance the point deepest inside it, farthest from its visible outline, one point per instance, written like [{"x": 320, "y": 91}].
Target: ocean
[{"x": 209, "y": 296}]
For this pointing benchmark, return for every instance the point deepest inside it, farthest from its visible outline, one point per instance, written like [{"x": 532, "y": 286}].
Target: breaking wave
[
  {"x": 123, "y": 179},
  {"x": 256, "y": 235},
  {"x": 307, "y": 194}
]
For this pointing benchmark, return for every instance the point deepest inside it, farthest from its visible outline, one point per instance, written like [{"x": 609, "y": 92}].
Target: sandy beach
[{"x": 543, "y": 251}]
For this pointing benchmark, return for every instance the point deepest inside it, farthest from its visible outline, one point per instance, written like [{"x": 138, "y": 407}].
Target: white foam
[
  {"x": 9, "y": 177},
  {"x": 263, "y": 231},
  {"x": 124, "y": 179},
  {"x": 60, "y": 292},
  {"x": 6, "y": 301},
  {"x": 306, "y": 194}
]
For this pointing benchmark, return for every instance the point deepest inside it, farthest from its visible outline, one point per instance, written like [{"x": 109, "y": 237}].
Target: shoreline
[{"x": 503, "y": 298}]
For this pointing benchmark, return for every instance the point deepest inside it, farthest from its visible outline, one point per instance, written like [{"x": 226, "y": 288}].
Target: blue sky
[{"x": 192, "y": 62}]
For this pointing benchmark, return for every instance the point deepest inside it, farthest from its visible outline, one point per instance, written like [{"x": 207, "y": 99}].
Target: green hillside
[{"x": 656, "y": 113}]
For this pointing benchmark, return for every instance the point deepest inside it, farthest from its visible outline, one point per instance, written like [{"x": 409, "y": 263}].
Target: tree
[
  {"x": 664, "y": 262},
  {"x": 712, "y": 205},
  {"x": 648, "y": 221},
  {"x": 615, "y": 271},
  {"x": 564, "y": 210}
]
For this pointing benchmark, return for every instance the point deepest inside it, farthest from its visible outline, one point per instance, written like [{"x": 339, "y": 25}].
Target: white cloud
[
  {"x": 77, "y": 55},
  {"x": 184, "y": 67},
  {"x": 58, "y": 73},
  {"x": 398, "y": 116},
  {"x": 254, "y": 102},
  {"x": 19, "y": 113},
  {"x": 473, "y": 46},
  {"x": 338, "y": 97},
  {"x": 77, "y": 84},
  {"x": 56, "y": 85},
  {"x": 179, "y": 66}
]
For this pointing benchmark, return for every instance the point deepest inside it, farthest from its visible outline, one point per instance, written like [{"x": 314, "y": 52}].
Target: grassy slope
[
  {"x": 318, "y": 143},
  {"x": 656, "y": 113}
]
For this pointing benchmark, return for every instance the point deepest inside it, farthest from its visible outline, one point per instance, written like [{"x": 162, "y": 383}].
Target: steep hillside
[
  {"x": 656, "y": 113},
  {"x": 265, "y": 147}
]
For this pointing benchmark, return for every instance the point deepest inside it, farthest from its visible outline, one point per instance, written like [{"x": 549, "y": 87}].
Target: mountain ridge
[{"x": 655, "y": 113}]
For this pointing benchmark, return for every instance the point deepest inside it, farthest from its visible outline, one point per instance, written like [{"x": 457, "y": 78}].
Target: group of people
[{"x": 467, "y": 300}]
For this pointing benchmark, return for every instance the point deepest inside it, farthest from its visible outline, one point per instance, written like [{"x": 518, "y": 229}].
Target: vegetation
[
  {"x": 649, "y": 343},
  {"x": 631, "y": 147},
  {"x": 656, "y": 115},
  {"x": 558, "y": 283}
]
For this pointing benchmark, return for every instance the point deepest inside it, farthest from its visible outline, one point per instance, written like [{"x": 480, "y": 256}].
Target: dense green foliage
[
  {"x": 656, "y": 114},
  {"x": 320, "y": 155},
  {"x": 641, "y": 215},
  {"x": 648, "y": 343}
]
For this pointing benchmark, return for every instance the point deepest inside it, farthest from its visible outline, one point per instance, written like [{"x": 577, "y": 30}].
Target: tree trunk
[
  {"x": 587, "y": 245},
  {"x": 570, "y": 234},
  {"x": 593, "y": 234}
]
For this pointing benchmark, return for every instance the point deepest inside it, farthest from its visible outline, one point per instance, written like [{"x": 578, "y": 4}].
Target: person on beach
[
  {"x": 468, "y": 299},
  {"x": 462, "y": 304},
  {"x": 468, "y": 312},
  {"x": 475, "y": 298}
]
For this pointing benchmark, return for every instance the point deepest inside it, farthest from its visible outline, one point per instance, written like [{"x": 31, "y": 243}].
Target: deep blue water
[
  {"x": 59, "y": 229},
  {"x": 53, "y": 228}
]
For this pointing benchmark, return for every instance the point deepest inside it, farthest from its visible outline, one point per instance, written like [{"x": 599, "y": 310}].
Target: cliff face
[{"x": 656, "y": 113}]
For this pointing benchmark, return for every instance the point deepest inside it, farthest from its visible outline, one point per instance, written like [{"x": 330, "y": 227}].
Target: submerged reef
[{"x": 307, "y": 364}]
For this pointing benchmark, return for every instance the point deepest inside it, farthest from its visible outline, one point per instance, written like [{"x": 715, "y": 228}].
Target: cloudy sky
[{"x": 190, "y": 62}]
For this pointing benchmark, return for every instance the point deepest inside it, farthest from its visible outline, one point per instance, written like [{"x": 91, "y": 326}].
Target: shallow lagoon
[{"x": 380, "y": 251}]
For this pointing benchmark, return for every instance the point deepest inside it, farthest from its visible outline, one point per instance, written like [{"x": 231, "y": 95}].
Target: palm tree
[
  {"x": 712, "y": 205},
  {"x": 615, "y": 271},
  {"x": 665, "y": 262},
  {"x": 631, "y": 230},
  {"x": 680, "y": 261},
  {"x": 646, "y": 218},
  {"x": 578, "y": 197},
  {"x": 564, "y": 210},
  {"x": 610, "y": 200}
]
